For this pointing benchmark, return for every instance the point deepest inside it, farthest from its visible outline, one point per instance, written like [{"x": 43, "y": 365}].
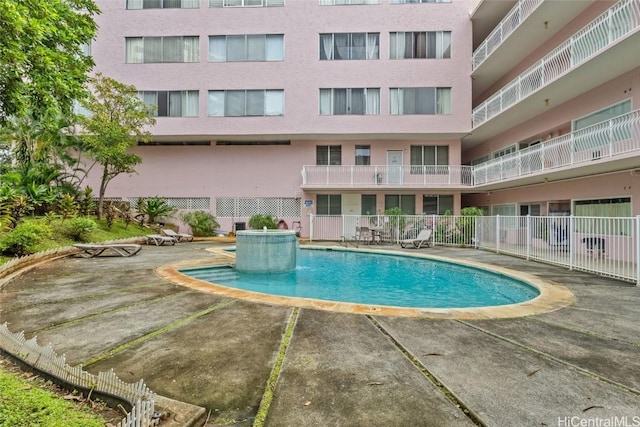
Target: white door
[
  {"x": 351, "y": 209},
  {"x": 394, "y": 167}
]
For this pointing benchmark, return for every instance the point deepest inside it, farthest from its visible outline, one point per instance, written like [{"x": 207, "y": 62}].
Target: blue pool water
[{"x": 375, "y": 279}]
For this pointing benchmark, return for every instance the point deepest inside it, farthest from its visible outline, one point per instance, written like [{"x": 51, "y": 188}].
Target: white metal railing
[
  {"x": 372, "y": 176},
  {"x": 605, "y": 246},
  {"x": 618, "y": 21},
  {"x": 605, "y": 139},
  {"x": 509, "y": 23}
]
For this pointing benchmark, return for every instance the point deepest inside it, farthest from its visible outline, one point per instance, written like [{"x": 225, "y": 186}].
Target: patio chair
[
  {"x": 159, "y": 240},
  {"x": 90, "y": 250},
  {"x": 363, "y": 235},
  {"x": 422, "y": 240},
  {"x": 178, "y": 236}
]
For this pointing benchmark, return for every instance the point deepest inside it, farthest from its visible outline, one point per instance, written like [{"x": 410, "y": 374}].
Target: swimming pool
[{"x": 377, "y": 279}]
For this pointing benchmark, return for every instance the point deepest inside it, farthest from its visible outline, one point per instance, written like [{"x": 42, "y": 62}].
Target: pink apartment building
[{"x": 340, "y": 107}]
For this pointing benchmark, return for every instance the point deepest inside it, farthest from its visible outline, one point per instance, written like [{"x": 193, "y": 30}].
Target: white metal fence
[{"x": 605, "y": 246}]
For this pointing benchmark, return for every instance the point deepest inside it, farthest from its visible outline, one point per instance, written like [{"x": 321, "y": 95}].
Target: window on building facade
[
  {"x": 591, "y": 138},
  {"x": 246, "y": 3},
  {"x": 249, "y": 47},
  {"x": 418, "y": 1},
  {"x": 599, "y": 208},
  {"x": 368, "y": 204},
  {"x": 480, "y": 160},
  {"x": 406, "y": 202},
  {"x": 328, "y": 204},
  {"x": 162, "y": 49},
  {"x": 345, "y": 46},
  {"x": 241, "y": 103},
  {"x": 179, "y": 103},
  {"x": 352, "y": 101},
  {"x": 363, "y": 155},
  {"x": 420, "y": 100},
  {"x": 426, "y": 158},
  {"x": 504, "y": 151},
  {"x": 328, "y": 155},
  {"x": 340, "y": 2},
  {"x": 420, "y": 44},
  {"x": 437, "y": 204},
  {"x": 163, "y": 4}
]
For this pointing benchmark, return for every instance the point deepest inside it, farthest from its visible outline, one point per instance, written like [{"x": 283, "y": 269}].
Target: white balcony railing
[
  {"x": 618, "y": 21},
  {"x": 509, "y": 23},
  {"x": 349, "y": 176},
  {"x": 605, "y": 139}
]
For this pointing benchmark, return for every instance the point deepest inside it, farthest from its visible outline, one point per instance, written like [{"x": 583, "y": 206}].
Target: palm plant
[{"x": 155, "y": 207}]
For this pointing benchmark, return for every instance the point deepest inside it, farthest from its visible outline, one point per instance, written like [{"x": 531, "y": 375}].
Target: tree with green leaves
[
  {"x": 43, "y": 68},
  {"x": 116, "y": 124}
]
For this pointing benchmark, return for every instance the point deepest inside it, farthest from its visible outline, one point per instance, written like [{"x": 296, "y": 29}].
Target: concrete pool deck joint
[{"x": 552, "y": 297}]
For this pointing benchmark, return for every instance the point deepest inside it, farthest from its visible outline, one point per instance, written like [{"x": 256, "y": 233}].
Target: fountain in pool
[{"x": 266, "y": 251}]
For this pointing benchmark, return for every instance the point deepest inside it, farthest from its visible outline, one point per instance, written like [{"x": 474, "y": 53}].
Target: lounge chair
[
  {"x": 423, "y": 240},
  {"x": 159, "y": 240},
  {"x": 178, "y": 236},
  {"x": 90, "y": 250}
]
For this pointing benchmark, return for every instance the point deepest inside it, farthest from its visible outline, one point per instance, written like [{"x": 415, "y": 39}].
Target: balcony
[
  {"x": 602, "y": 50},
  {"x": 604, "y": 147},
  {"x": 386, "y": 177}
]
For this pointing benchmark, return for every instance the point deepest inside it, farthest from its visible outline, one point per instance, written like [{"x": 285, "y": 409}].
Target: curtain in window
[
  {"x": 236, "y": 48},
  {"x": 420, "y": 45},
  {"x": 396, "y": 101},
  {"x": 215, "y": 103},
  {"x": 444, "y": 100},
  {"x": 175, "y": 104},
  {"x": 190, "y": 4},
  {"x": 274, "y": 47},
  {"x": 151, "y": 4},
  {"x": 134, "y": 4},
  {"x": 256, "y": 47},
  {"x": 341, "y": 46},
  {"x": 425, "y": 100},
  {"x": 255, "y": 103},
  {"x": 358, "y": 46},
  {"x": 409, "y": 48},
  {"x": 339, "y": 101},
  {"x": 373, "y": 46},
  {"x": 190, "y": 103},
  {"x": 373, "y": 101},
  {"x": 217, "y": 48},
  {"x": 191, "y": 49},
  {"x": 358, "y": 101},
  {"x": 274, "y": 103},
  {"x": 134, "y": 50},
  {"x": 326, "y": 46},
  {"x": 322, "y": 155},
  {"x": 325, "y": 102},
  {"x": 235, "y": 103},
  {"x": 445, "y": 44},
  {"x": 172, "y": 49},
  {"x": 432, "y": 48},
  {"x": 171, "y": 4},
  {"x": 150, "y": 98},
  {"x": 152, "y": 49}
]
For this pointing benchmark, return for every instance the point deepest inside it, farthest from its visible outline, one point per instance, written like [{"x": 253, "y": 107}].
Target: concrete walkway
[{"x": 339, "y": 369}]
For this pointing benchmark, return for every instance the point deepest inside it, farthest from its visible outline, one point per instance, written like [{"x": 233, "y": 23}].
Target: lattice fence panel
[
  {"x": 246, "y": 207},
  {"x": 187, "y": 203}
]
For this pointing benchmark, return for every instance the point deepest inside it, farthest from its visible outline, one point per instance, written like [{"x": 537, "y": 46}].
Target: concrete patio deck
[{"x": 556, "y": 369}]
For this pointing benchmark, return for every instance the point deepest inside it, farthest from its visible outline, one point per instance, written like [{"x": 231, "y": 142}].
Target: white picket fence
[
  {"x": 604, "y": 246},
  {"x": 45, "y": 359}
]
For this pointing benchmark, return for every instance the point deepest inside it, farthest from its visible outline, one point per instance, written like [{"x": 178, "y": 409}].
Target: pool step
[{"x": 216, "y": 275}]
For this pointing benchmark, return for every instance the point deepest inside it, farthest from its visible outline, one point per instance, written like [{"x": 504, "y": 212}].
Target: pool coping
[{"x": 552, "y": 296}]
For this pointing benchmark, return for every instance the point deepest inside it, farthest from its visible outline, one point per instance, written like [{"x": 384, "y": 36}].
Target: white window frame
[
  {"x": 218, "y": 102},
  {"x": 372, "y": 50},
  {"x": 347, "y": 2},
  {"x": 442, "y": 48},
  {"x": 188, "y": 108},
  {"x": 135, "y": 49},
  {"x": 371, "y": 102},
  {"x": 246, "y": 3},
  {"x": 441, "y": 100},
  {"x": 504, "y": 151},
  {"x": 271, "y": 53},
  {"x": 184, "y": 4}
]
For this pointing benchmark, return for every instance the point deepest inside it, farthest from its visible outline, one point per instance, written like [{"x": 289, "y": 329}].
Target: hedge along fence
[{"x": 137, "y": 399}]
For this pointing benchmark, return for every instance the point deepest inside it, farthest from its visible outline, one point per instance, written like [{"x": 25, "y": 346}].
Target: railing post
[
  {"x": 310, "y": 226},
  {"x": 637, "y": 237},
  {"x": 528, "y": 222},
  {"x": 304, "y": 175},
  {"x": 351, "y": 168},
  {"x": 498, "y": 234},
  {"x": 572, "y": 241}
]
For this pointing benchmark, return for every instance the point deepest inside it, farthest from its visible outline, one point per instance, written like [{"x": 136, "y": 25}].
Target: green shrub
[
  {"x": 259, "y": 221},
  {"x": 155, "y": 207},
  {"x": 202, "y": 223},
  {"x": 79, "y": 228},
  {"x": 23, "y": 238}
]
